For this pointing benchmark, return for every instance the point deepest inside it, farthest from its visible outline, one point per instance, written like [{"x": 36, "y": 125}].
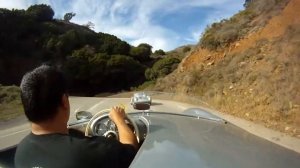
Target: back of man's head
[{"x": 41, "y": 92}]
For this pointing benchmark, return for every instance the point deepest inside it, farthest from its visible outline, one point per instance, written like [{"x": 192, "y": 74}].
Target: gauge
[
  {"x": 101, "y": 129},
  {"x": 111, "y": 125}
]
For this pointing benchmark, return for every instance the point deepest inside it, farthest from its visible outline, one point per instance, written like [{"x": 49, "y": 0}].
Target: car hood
[{"x": 189, "y": 141}]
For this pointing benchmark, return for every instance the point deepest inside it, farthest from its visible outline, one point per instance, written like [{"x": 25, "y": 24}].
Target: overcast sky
[{"x": 164, "y": 24}]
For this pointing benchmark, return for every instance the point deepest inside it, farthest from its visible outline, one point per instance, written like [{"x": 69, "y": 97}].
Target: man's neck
[{"x": 49, "y": 127}]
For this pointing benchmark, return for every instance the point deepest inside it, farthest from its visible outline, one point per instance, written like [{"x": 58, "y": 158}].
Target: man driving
[{"x": 46, "y": 105}]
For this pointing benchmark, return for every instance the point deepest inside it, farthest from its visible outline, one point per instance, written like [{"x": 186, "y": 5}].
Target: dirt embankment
[
  {"x": 256, "y": 77},
  {"x": 276, "y": 27}
]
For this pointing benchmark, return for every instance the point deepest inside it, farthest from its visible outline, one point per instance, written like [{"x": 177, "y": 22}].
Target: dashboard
[{"x": 101, "y": 125}]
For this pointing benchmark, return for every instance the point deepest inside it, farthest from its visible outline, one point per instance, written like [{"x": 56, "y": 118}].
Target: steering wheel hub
[{"x": 111, "y": 134}]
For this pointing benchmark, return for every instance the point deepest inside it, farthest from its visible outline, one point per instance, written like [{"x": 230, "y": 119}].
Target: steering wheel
[{"x": 101, "y": 125}]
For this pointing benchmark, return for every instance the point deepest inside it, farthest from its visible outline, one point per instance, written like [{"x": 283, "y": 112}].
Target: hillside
[
  {"x": 248, "y": 66},
  {"x": 93, "y": 61}
]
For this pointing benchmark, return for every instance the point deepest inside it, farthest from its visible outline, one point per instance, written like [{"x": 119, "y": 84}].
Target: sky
[{"x": 164, "y": 24}]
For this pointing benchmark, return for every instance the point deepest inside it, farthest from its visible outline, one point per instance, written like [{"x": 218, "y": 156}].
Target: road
[{"x": 12, "y": 135}]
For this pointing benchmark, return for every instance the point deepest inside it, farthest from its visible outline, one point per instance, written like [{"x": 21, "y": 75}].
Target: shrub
[
  {"x": 186, "y": 49},
  {"x": 221, "y": 34},
  {"x": 40, "y": 12},
  {"x": 9, "y": 94},
  {"x": 10, "y": 102},
  {"x": 112, "y": 45},
  {"x": 99, "y": 71},
  {"x": 159, "y": 52},
  {"x": 69, "y": 16},
  {"x": 145, "y": 85},
  {"x": 162, "y": 68},
  {"x": 141, "y": 53}
]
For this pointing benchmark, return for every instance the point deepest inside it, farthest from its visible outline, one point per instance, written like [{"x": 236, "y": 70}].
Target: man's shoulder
[
  {"x": 73, "y": 150},
  {"x": 54, "y": 139},
  {"x": 57, "y": 146},
  {"x": 25, "y": 140}
]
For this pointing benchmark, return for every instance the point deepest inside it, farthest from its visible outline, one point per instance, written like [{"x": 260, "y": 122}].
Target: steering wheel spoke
[{"x": 101, "y": 125}]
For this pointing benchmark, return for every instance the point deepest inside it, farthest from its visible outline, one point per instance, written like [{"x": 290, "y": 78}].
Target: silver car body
[
  {"x": 193, "y": 140},
  {"x": 140, "y": 97},
  {"x": 196, "y": 138}
]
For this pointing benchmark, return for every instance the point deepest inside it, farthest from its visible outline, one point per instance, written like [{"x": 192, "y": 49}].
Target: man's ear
[{"x": 65, "y": 101}]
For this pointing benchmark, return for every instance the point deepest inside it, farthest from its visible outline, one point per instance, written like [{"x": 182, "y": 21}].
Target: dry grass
[
  {"x": 221, "y": 34},
  {"x": 10, "y": 103},
  {"x": 260, "y": 84},
  {"x": 256, "y": 78}
]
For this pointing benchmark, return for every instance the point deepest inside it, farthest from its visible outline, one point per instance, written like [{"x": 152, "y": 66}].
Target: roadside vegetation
[
  {"x": 255, "y": 16},
  {"x": 93, "y": 62},
  {"x": 243, "y": 72},
  {"x": 10, "y": 103},
  {"x": 164, "y": 64}
]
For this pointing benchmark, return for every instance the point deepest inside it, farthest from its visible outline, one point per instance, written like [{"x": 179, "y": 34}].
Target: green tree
[
  {"x": 142, "y": 52},
  {"x": 159, "y": 52},
  {"x": 98, "y": 71},
  {"x": 40, "y": 12},
  {"x": 69, "y": 16},
  {"x": 70, "y": 40},
  {"x": 87, "y": 68},
  {"x": 150, "y": 74},
  {"x": 113, "y": 45},
  {"x": 93, "y": 61},
  {"x": 147, "y": 48},
  {"x": 162, "y": 68},
  {"x": 126, "y": 69}
]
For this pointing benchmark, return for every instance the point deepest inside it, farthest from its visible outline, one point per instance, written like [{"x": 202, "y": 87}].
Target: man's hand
[
  {"x": 117, "y": 115},
  {"x": 126, "y": 136}
]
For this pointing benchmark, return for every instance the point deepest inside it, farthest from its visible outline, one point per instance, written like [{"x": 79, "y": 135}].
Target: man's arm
[{"x": 126, "y": 136}]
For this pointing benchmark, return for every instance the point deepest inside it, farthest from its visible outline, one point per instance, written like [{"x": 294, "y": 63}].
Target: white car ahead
[{"x": 140, "y": 98}]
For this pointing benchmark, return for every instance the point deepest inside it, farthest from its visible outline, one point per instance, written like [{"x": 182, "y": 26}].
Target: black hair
[{"x": 41, "y": 92}]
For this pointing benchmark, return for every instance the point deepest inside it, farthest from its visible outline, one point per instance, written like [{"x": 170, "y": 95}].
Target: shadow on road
[{"x": 155, "y": 104}]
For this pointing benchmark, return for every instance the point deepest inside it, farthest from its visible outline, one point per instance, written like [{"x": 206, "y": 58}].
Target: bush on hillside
[
  {"x": 9, "y": 94},
  {"x": 221, "y": 34},
  {"x": 146, "y": 85},
  {"x": 69, "y": 16},
  {"x": 112, "y": 44},
  {"x": 162, "y": 68},
  {"x": 100, "y": 71},
  {"x": 142, "y": 52},
  {"x": 10, "y": 103},
  {"x": 41, "y": 12},
  {"x": 186, "y": 49},
  {"x": 159, "y": 52},
  {"x": 91, "y": 59},
  {"x": 124, "y": 71}
]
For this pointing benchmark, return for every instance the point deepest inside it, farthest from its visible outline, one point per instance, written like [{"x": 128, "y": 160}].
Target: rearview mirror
[
  {"x": 83, "y": 115},
  {"x": 141, "y": 106}
]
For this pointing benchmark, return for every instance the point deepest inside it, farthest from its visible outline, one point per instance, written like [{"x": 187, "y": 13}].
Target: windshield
[{"x": 140, "y": 94}]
